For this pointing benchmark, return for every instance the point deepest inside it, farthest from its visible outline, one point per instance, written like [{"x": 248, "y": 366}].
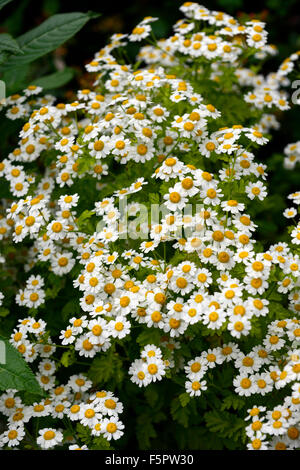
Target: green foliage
[
  {"x": 46, "y": 37},
  {"x": 152, "y": 396},
  {"x": 15, "y": 373},
  {"x": 149, "y": 336},
  {"x": 232, "y": 401},
  {"x": 55, "y": 80},
  {"x": 93, "y": 443},
  {"x": 184, "y": 399},
  {"x": 154, "y": 198},
  {"x": 8, "y": 44},
  {"x": 226, "y": 425},
  {"x": 70, "y": 309},
  {"x": 84, "y": 221},
  {"x": 145, "y": 431},
  {"x": 180, "y": 412},
  {"x": 107, "y": 369},
  {"x": 17, "y": 53}
]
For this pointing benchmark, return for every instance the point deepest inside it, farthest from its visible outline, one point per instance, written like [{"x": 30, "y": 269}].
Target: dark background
[
  {"x": 282, "y": 17},
  {"x": 283, "y": 25}
]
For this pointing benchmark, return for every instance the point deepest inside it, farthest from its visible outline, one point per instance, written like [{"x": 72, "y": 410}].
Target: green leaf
[
  {"x": 277, "y": 310},
  {"x": 83, "y": 220},
  {"x": 85, "y": 163},
  {"x": 96, "y": 443},
  {"x": 184, "y": 399},
  {"x": 68, "y": 358},
  {"x": 3, "y": 56},
  {"x": 232, "y": 401},
  {"x": 100, "y": 443},
  {"x": 55, "y": 80},
  {"x": 154, "y": 198},
  {"x": 48, "y": 36},
  {"x": 179, "y": 413},
  {"x": 71, "y": 308},
  {"x": 106, "y": 368},
  {"x": 15, "y": 373},
  {"x": 144, "y": 431},
  {"x": 225, "y": 425},
  {"x": 149, "y": 336},
  {"x": 4, "y": 312},
  {"x": 15, "y": 79},
  {"x": 3, "y": 3},
  {"x": 151, "y": 396},
  {"x": 276, "y": 296},
  {"x": 83, "y": 433},
  {"x": 8, "y": 43}
]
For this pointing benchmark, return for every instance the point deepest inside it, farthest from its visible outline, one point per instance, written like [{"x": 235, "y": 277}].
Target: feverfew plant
[{"x": 130, "y": 211}]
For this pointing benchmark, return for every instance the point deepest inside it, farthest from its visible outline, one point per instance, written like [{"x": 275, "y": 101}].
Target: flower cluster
[
  {"x": 75, "y": 401},
  {"x": 150, "y": 367},
  {"x": 140, "y": 194},
  {"x": 292, "y": 155},
  {"x": 277, "y": 428}
]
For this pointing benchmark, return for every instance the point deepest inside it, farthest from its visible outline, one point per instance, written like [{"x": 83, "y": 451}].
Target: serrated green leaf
[
  {"x": 179, "y": 413},
  {"x": 106, "y": 368},
  {"x": 14, "y": 372},
  {"x": 96, "y": 443},
  {"x": 100, "y": 443},
  {"x": 144, "y": 431},
  {"x": 48, "y": 36},
  {"x": 232, "y": 401},
  {"x": 225, "y": 424},
  {"x": 184, "y": 399},
  {"x": 83, "y": 433},
  {"x": 151, "y": 395}
]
